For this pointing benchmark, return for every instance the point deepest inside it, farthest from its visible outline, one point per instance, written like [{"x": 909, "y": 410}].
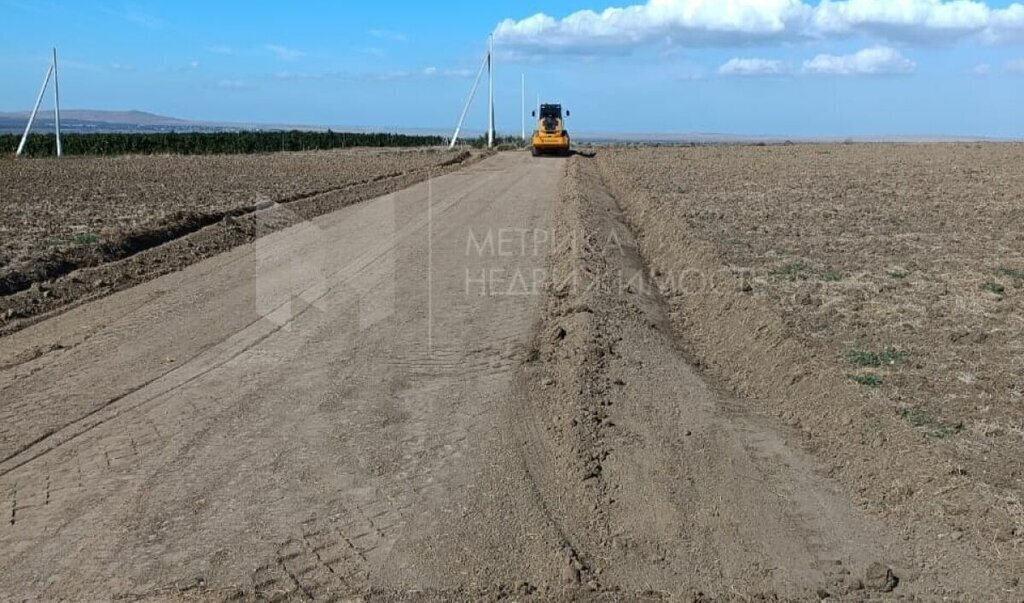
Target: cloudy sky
[{"x": 777, "y": 67}]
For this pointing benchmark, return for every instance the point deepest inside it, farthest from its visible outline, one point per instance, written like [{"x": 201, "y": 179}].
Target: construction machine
[{"x": 550, "y": 137}]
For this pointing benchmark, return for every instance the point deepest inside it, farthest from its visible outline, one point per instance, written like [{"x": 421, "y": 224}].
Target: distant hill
[
  {"x": 83, "y": 121},
  {"x": 140, "y": 118}
]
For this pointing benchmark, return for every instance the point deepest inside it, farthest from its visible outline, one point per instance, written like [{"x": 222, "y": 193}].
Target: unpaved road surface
[
  {"x": 393, "y": 401},
  {"x": 84, "y": 227}
]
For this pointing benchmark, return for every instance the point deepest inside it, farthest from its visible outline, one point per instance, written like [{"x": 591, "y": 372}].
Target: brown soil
[
  {"x": 337, "y": 412},
  {"x": 869, "y": 296},
  {"x": 71, "y": 223},
  {"x": 655, "y": 478}
]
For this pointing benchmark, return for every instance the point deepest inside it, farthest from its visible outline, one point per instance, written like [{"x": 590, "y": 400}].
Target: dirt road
[{"x": 387, "y": 401}]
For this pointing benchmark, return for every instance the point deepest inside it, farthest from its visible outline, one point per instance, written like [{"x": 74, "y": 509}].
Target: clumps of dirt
[
  {"x": 655, "y": 482},
  {"x": 881, "y": 578},
  {"x": 457, "y": 159},
  {"x": 655, "y": 490},
  {"x": 155, "y": 239},
  {"x": 868, "y": 248},
  {"x": 566, "y": 392},
  {"x": 841, "y": 288},
  {"x": 60, "y": 261}
]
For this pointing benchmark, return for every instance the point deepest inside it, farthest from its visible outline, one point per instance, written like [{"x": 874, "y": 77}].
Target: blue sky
[{"x": 776, "y": 67}]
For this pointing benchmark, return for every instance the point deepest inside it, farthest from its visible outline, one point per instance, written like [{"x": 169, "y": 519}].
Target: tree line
[{"x": 210, "y": 143}]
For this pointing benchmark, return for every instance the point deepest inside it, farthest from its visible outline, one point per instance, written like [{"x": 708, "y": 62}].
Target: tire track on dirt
[
  {"x": 151, "y": 251},
  {"x": 366, "y": 258},
  {"x": 310, "y": 465},
  {"x": 263, "y": 328},
  {"x": 437, "y": 438},
  {"x": 105, "y": 412},
  {"x": 435, "y": 434},
  {"x": 177, "y": 227}
]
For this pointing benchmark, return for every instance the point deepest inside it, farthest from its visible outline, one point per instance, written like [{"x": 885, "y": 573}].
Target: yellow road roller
[{"x": 550, "y": 137}]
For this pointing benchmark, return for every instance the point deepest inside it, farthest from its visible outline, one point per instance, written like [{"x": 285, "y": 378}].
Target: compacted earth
[
  {"x": 724, "y": 373},
  {"x": 61, "y": 216}
]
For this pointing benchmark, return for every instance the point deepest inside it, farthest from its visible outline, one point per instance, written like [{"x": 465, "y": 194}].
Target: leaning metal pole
[
  {"x": 469, "y": 101},
  {"x": 32, "y": 117}
]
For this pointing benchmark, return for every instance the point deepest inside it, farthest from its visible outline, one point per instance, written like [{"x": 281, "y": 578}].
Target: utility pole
[
  {"x": 51, "y": 71},
  {"x": 522, "y": 110},
  {"x": 488, "y": 63},
  {"x": 490, "y": 92},
  {"x": 469, "y": 101},
  {"x": 56, "y": 104}
]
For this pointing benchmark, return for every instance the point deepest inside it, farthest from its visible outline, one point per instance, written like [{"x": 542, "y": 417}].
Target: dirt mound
[
  {"x": 748, "y": 245},
  {"x": 661, "y": 485}
]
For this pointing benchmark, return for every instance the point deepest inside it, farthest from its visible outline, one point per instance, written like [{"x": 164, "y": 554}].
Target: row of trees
[{"x": 207, "y": 143}]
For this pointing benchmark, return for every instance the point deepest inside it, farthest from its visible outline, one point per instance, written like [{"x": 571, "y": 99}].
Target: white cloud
[
  {"x": 752, "y": 67},
  {"x": 740, "y": 22},
  {"x": 284, "y": 53},
  {"x": 1007, "y": 25},
  {"x": 686, "y": 22},
  {"x": 878, "y": 60},
  {"x": 913, "y": 20},
  {"x": 982, "y": 69},
  {"x": 1015, "y": 66}
]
